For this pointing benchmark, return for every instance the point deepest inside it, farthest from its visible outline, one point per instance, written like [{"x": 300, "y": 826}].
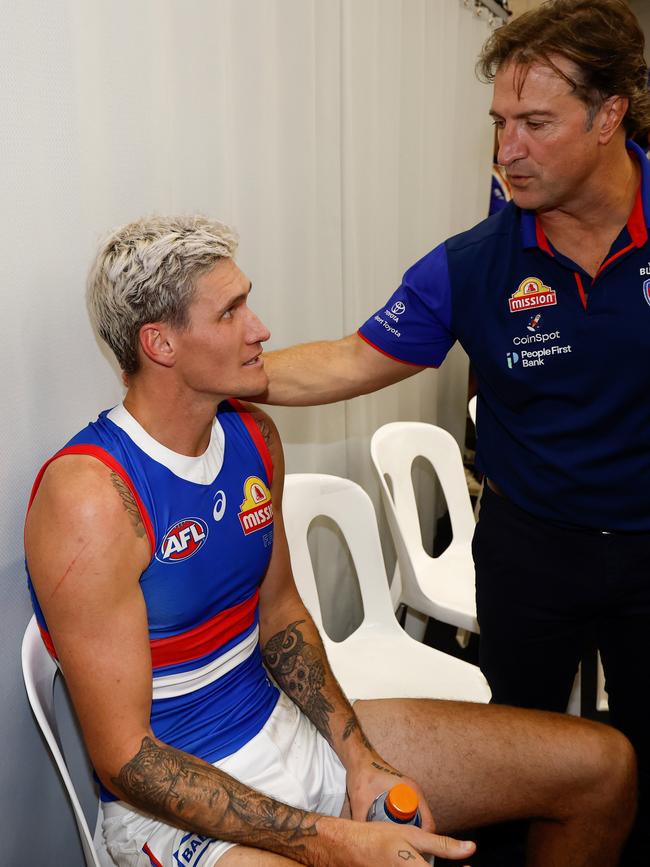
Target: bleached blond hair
[{"x": 146, "y": 271}]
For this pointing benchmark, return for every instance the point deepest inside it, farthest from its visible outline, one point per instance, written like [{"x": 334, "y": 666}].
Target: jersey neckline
[{"x": 202, "y": 469}]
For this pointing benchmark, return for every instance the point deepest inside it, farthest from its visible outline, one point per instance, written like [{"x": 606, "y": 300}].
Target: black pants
[{"x": 543, "y": 592}]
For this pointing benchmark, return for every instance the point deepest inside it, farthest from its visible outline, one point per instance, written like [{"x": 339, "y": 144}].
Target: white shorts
[{"x": 288, "y": 760}]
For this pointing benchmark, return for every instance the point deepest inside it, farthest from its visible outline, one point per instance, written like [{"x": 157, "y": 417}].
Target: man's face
[
  {"x": 544, "y": 143},
  {"x": 220, "y": 352}
]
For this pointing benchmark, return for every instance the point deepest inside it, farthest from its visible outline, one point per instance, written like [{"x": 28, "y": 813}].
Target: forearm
[
  {"x": 191, "y": 794},
  {"x": 311, "y": 374},
  {"x": 296, "y": 658}
]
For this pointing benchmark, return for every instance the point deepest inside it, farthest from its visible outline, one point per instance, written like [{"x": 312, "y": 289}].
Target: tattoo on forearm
[
  {"x": 299, "y": 670},
  {"x": 390, "y": 771},
  {"x": 129, "y": 504},
  {"x": 351, "y": 726},
  {"x": 192, "y": 795},
  {"x": 405, "y": 855}
]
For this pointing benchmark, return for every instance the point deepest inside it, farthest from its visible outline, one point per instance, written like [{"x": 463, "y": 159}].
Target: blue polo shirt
[{"x": 562, "y": 361}]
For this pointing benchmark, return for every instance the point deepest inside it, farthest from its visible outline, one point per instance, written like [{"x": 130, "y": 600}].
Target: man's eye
[
  {"x": 227, "y": 314},
  {"x": 536, "y": 124}
]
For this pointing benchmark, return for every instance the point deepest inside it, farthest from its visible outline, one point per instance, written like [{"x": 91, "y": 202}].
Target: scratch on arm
[{"x": 68, "y": 570}]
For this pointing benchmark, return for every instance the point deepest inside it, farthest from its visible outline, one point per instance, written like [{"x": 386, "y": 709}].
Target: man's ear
[
  {"x": 157, "y": 343},
  {"x": 610, "y": 117}
]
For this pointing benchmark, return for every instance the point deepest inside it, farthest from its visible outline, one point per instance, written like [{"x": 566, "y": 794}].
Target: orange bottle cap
[{"x": 402, "y": 801}]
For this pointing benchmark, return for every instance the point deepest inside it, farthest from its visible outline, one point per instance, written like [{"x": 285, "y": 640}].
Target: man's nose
[
  {"x": 511, "y": 146},
  {"x": 257, "y": 330}
]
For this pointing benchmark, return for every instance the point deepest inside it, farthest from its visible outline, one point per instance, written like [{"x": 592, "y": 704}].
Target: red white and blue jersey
[
  {"x": 561, "y": 359},
  {"x": 209, "y": 521}
]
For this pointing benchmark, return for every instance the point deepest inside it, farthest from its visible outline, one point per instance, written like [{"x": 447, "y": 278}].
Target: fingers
[
  {"x": 439, "y": 844},
  {"x": 447, "y": 847},
  {"x": 441, "y": 847}
]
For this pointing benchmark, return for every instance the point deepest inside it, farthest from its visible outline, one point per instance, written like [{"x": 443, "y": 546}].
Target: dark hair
[{"x": 601, "y": 37}]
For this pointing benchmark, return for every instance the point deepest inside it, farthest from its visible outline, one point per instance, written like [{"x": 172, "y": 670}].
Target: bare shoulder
[
  {"x": 267, "y": 428},
  {"x": 82, "y": 502},
  {"x": 86, "y": 489}
]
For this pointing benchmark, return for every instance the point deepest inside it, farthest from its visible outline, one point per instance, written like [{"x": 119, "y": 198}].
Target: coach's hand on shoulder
[{"x": 365, "y": 844}]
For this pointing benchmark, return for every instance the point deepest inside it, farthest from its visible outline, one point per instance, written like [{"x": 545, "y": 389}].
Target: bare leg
[
  {"x": 482, "y": 764},
  {"x": 245, "y": 856}
]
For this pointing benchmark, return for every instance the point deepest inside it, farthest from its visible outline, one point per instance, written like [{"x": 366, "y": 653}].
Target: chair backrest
[
  {"x": 310, "y": 495},
  {"x": 393, "y": 448},
  {"x": 471, "y": 409},
  {"x": 39, "y": 672}
]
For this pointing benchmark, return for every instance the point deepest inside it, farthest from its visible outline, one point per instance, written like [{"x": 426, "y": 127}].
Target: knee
[{"x": 611, "y": 768}]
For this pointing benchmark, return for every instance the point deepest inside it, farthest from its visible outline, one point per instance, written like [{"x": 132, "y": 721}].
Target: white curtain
[{"x": 343, "y": 138}]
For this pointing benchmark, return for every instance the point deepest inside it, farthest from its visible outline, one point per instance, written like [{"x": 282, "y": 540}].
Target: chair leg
[
  {"x": 602, "y": 701},
  {"x": 574, "y": 699},
  {"x": 415, "y": 624},
  {"x": 462, "y": 637}
]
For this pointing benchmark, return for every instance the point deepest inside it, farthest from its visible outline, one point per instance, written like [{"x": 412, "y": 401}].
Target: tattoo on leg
[
  {"x": 390, "y": 771},
  {"x": 351, "y": 726},
  {"x": 129, "y": 504},
  {"x": 299, "y": 670},
  {"x": 191, "y": 794}
]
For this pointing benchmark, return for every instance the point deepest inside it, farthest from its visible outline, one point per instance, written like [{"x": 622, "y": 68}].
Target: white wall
[
  {"x": 641, "y": 9},
  {"x": 344, "y": 138}
]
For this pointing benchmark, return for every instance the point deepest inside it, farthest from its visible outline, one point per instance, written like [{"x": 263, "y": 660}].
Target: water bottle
[{"x": 399, "y": 804}]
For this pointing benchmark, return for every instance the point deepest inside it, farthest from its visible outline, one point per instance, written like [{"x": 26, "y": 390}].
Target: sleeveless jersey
[{"x": 209, "y": 521}]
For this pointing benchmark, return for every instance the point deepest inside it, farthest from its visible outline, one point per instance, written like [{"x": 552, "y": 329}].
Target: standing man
[
  {"x": 162, "y": 584},
  {"x": 551, "y": 300}
]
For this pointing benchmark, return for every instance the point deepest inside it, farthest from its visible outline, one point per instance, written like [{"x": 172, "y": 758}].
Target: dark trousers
[{"x": 543, "y": 594}]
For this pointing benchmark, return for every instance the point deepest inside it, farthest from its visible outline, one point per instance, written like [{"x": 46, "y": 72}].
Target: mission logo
[
  {"x": 182, "y": 540},
  {"x": 531, "y": 293},
  {"x": 256, "y": 511}
]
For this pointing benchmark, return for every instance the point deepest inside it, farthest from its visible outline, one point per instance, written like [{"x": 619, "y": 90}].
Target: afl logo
[{"x": 182, "y": 540}]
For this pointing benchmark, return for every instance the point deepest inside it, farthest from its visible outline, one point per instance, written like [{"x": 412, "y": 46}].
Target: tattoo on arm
[
  {"x": 351, "y": 726},
  {"x": 265, "y": 429},
  {"x": 129, "y": 504},
  {"x": 299, "y": 670},
  {"x": 193, "y": 795}
]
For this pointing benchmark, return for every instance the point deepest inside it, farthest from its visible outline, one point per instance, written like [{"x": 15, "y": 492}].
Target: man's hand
[
  {"x": 369, "y": 778},
  {"x": 364, "y": 844}
]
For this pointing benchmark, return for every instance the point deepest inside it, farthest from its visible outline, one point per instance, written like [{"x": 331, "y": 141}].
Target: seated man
[{"x": 162, "y": 583}]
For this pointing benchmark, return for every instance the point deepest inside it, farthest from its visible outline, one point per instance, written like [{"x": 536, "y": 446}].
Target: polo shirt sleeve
[{"x": 414, "y": 325}]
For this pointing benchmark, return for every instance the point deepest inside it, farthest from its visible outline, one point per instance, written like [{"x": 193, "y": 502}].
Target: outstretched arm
[{"x": 315, "y": 373}]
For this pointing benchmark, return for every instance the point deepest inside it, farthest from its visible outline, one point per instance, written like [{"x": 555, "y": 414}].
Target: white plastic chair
[
  {"x": 39, "y": 672},
  {"x": 471, "y": 409},
  {"x": 378, "y": 660},
  {"x": 441, "y": 587}
]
